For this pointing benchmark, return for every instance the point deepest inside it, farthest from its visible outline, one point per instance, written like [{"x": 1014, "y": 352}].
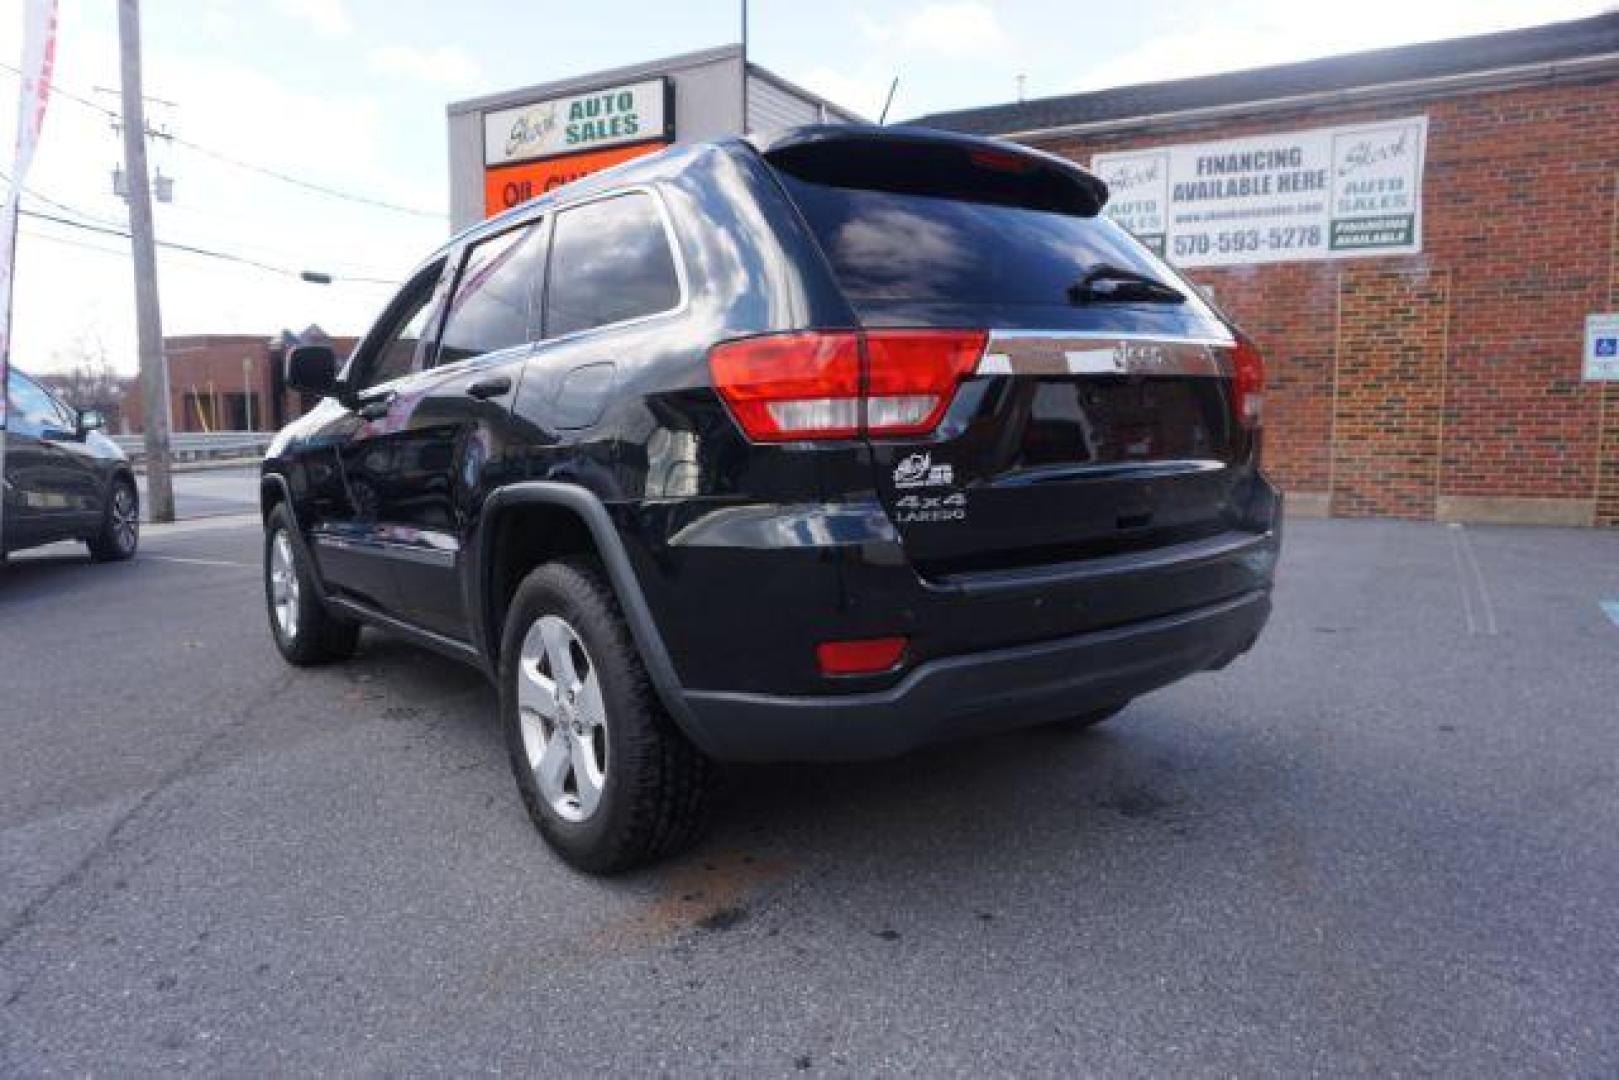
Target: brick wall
[
  {"x": 210, "y": 366},
  {"x": 1520, "y": 242}
]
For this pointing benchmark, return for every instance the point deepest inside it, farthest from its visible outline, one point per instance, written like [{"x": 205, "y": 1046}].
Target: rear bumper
[{"x": 986, "y": 691}]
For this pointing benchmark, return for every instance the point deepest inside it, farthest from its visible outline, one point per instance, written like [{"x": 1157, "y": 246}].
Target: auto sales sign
[
  {"x": 579, "y": 123},
  {"x": 1328, "y": 193}
]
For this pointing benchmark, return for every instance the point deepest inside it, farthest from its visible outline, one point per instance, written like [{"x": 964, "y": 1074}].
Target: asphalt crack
[{"x": 29, "y": 915}]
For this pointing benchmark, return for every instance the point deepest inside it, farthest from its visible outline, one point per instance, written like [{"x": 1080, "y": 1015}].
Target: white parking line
[
  {"x": 1468, "y": 569},
  {"x": 209, "y": 524},
  {"x": 195, "y": 562}
]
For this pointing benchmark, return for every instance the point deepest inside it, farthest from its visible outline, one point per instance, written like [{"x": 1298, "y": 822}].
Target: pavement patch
[{"x": 710, "y": 894}]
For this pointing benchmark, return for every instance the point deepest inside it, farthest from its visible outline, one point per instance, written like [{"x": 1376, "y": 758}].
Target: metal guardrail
[{"x": 199, "y": 446}]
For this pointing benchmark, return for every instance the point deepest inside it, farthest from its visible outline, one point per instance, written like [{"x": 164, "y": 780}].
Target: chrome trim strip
[
  {"x": 1067, "y": 352},
  {"x": 403, "y": 552}
]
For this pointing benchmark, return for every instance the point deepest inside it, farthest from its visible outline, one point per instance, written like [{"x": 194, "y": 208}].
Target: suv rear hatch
[{"x": 1102, "y": 406}]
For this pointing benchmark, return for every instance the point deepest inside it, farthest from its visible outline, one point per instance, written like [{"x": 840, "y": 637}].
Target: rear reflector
[
  {"x": 1247, "y": 382},
  {"x": 843, "y": 383},
  {"x": 864, "y": 657}
]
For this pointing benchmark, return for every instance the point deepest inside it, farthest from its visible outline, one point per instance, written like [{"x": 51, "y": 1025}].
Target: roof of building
[
  {"x": 633, "y": 72},
  {"x": 1595, "y": 36}
]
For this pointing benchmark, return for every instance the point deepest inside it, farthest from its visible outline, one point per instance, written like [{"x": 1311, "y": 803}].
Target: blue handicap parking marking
[{"x": 1611, "y": 609}]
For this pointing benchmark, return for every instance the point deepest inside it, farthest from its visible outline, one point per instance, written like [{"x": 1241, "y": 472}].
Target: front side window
[
  {"x": 610, "y": 261},
  {"x": 400, "y": 354},
  {"x": 490, "y": 308}
]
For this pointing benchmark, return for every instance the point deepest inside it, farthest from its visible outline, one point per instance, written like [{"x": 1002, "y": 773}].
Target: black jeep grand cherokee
[{"x": 821, "y": 445}]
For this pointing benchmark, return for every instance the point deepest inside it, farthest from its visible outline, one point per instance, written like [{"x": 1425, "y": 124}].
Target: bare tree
[{"x": 85, "y": 378}]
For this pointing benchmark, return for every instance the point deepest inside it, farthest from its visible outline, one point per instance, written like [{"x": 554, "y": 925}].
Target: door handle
[
  {"x": 375, "y": 408},
  {"x": 488, "y": 388}
]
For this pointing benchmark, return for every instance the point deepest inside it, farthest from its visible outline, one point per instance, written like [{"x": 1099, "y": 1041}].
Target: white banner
[
  {"x": 635, "y": 112},
  {"x": 33, "y": 94},
  {"x": 1328, "y": 193}
]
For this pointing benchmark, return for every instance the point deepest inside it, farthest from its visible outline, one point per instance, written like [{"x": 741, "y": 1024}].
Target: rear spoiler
[{"x": 921, "y": 161}]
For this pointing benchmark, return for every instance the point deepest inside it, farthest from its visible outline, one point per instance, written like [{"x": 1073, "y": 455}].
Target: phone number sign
[{"x": 1328, "y": 193}]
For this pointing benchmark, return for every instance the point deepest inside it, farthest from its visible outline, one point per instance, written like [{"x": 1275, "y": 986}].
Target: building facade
[
  {"x": 510, "y": 147},
  {"x": 1415, "y": 237},
  {"x": 229, "y": 382}
]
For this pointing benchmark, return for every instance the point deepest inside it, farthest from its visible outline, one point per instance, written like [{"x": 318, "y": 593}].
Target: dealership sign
[
  {"x": 1327, "y": 193},
  {"x": 579, "y": 123},
  {"x": 510, "y": 185}
]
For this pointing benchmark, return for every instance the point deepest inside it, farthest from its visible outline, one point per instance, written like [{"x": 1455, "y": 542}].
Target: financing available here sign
[{"x": 1326, "y": 193}]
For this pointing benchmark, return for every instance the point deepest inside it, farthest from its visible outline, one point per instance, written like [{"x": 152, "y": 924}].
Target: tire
[
  {"x": 1086, "y": 721},
  {"x": 304, "y": 630},
  {"x": 631, "y": 788},
  {"x": 120, "y": 530}
]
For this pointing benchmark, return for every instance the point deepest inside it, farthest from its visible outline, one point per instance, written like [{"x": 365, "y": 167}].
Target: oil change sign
[
  {"x": 1330, "y": 193},
  {"x": 614, "y": 116}
]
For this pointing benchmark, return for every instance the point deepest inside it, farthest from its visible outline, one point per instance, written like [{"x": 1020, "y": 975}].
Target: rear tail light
[
  {"x": 867, "y": 656},
  {"x": 792, "y": 386},
  {"x": 1247, "y": 383},
  {"x": 843, "y": 383}
]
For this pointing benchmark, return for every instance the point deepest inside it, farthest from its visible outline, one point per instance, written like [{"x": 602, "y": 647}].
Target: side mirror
[
  {"x": 91, "y": 420},
  {"x": 312, "y": 369}
]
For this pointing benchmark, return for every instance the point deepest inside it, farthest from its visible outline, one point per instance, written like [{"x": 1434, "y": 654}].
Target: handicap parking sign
[{"x": 1602, "y": 348}]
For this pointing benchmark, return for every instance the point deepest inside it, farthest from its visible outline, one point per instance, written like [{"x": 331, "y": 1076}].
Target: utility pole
[
  {"x": 247, "y": 390},
  {"x": 148, "y": 319}
]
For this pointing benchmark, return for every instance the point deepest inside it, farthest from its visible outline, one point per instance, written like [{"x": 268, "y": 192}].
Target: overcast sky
[{"x": 351, "y": 94}]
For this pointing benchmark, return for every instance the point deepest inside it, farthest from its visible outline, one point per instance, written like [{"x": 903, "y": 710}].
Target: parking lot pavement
[
  {"x": 209, "y": 491},
  {"x": 1387, "y": 840}
]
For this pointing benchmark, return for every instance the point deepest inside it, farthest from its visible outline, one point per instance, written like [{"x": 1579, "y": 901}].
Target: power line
[
  {"x": 262, "y": 170},
  {"x": 91, "y": 223},
  {"x": 191, "y": 249},
  {"x": 85, "y": 215}
]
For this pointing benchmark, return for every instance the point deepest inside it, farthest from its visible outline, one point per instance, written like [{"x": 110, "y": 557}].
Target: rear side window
[
  {"x": 490, "y": 308},
  {"x": 889, "y": 245},
  {"x": 32, "y": 410},
  {"x": 610, "y": 262}
]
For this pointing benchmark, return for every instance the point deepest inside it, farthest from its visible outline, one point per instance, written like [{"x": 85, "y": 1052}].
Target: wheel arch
[
  {"x": 584, "y": 526},
  {"x": 274, "y": 492}
]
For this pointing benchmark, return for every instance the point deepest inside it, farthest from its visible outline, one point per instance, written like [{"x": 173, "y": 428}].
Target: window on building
[
  {"x": 610, "y": 261},
  {"x": 490, "y": 308}
]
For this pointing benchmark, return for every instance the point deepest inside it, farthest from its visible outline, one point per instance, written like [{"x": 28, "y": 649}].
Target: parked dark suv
[
  {"x": 823, "y": 445},
  {"x": 64, "y": 479}
]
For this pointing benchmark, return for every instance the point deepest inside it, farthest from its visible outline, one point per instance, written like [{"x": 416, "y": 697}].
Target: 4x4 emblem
[{"x": 918, "y": 471}]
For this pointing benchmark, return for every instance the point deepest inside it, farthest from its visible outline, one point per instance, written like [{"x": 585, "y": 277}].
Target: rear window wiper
[{"x": 1115, "y": 284}]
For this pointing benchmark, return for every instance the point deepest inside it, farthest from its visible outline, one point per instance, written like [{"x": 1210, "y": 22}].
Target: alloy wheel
[
  {"x": 562, "y": 717},
  {"x": 125, "y": 519},
  {"x": 284, "y": 586}
]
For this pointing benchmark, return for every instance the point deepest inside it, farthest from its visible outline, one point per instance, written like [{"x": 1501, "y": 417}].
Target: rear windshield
[{"x": 886, "y": 245}]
